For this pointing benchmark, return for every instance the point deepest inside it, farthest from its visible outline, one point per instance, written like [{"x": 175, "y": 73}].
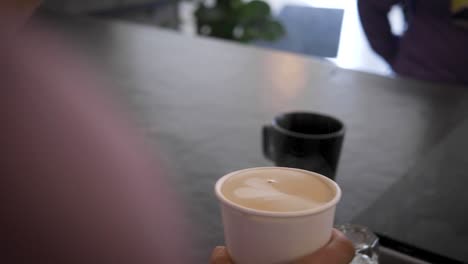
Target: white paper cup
[{"x": 263, "y": 237}]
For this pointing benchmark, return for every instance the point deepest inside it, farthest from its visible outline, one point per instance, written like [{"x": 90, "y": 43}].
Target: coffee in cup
[{"x": 277, "y": 191}]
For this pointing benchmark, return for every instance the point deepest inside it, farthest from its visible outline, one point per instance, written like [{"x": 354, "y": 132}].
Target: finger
[
  {"x": 220, "y": 256},
  {"x": 339, "y": 250}
]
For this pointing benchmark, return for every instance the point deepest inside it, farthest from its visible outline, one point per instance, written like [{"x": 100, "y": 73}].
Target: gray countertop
[{"x": 203, "y": 102}]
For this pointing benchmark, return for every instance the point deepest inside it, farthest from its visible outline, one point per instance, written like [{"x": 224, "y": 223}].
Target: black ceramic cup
[{"x": 304, "y": 140}]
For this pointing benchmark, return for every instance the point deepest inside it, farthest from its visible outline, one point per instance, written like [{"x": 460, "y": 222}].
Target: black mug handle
[{"x": 266, "y": 134}]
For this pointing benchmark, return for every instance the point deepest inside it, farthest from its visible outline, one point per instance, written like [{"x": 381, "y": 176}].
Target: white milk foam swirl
[{"x": 277, "y": 191}]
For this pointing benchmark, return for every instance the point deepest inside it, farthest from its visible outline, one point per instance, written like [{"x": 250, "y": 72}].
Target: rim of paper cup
[{"x": 251, "y": 211}]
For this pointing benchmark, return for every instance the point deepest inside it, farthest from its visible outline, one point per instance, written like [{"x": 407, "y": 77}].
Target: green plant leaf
[
  {"x": 273, "y": 30},
  {"x": 253, "y": 18},
  {"x": 254, "y": 10}
]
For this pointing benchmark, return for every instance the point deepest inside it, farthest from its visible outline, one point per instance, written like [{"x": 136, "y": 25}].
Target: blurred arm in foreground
[{"x": 77, "y": 184}]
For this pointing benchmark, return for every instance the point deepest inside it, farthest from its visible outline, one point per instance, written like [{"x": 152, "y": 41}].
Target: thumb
[
  {"x": 339, "y": 250},
  {"x": 220, "y": 256}
]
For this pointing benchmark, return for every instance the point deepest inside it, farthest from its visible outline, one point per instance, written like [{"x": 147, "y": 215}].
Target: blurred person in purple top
[{"x": 434, "y": 46}]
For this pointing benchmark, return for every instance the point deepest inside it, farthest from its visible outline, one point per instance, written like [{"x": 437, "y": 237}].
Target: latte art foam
[{"x": 277, "y": 190}]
